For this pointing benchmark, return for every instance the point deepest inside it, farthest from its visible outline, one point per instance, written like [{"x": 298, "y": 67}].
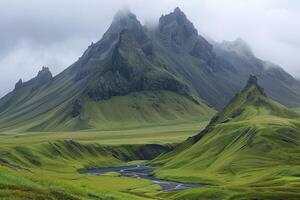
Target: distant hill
[
  {"x": 253, "y": 142},
  {"x": 135, "y": 76}
]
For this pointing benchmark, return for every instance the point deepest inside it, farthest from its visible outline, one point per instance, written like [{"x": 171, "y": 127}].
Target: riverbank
[{"x": 144, "y": 172}]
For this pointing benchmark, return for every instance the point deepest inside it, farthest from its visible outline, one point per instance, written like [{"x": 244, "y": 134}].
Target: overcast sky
[{"x": 54, "y": 33}]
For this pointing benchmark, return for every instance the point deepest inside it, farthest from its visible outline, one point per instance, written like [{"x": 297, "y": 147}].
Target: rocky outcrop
[
  {"x": 132, "y": 71},
  {"x": 19, "y": 84}
]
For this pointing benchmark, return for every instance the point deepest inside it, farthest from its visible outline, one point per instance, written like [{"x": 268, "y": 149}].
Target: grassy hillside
[
  {"x": 41, "y": 165},
  {"x": 50, "y": 170},
  {"x": 250, "y": 149},
  {"x": 134, "y": 110},
  {"x": 115, "y": 83}
]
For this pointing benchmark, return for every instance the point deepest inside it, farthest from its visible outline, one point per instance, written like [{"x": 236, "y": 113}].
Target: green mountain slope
[
  {"x": 171, "y": 59},
  {"x": 118, "y": 72},
  {"x": 251, "y": 145}
]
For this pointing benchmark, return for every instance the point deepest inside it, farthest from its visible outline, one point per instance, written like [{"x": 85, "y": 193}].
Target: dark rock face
[
  {"x": 127, "y": 20},
  {"x": 203, "y": 51},
  {"x": 19, "y": 84},
  {"x": 43, "y": 76},
  {"x": 176, "y": 28},
  {"x": 125, "y": 76},
  {"x": 182, "y": 37},
  {"x": 254, "y": 81},
  {"x": 119, "y": 86}
]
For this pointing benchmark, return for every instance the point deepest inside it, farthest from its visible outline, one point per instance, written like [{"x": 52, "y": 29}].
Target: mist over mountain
[
  {"x": 166, "y": 62},
  {"x": 131, "y": 59},
  {"x": 38, "y": 38}
]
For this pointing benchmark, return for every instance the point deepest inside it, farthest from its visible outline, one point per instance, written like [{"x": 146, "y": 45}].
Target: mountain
[
  {"x": 216, "y": 71},
  {"x": 278, "y": 84},
  {"x": 251, "y": 144},
  {"x": 115, "y": 83},
  {"x": 135, "y": 75}
]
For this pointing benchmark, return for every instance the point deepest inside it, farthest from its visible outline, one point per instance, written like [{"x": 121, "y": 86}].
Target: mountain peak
[
  {"x": 253, "y": 81},
  {"x": 43, "y": 76},
  {"x": 178, "y": 11},
  {"x": 44, "y": 73},
  {"x": 178, "y": 17},
  {"x": 251, "y": 101},
  {"x": 19, "y": 84},
  {"x": 125, "y": 19},
  {"x": 124, "y": 14},
  {"x": 176, "y": 27}
]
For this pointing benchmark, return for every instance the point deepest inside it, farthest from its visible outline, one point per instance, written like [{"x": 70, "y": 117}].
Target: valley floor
[
  {"x": 45, "y": 165},
  {"x": 40, "y": 165}
]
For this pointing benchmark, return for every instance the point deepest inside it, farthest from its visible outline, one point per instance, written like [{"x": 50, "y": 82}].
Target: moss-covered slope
[
  {"x": 252, "y": 143},
  {"x": 119, "y": 72}
]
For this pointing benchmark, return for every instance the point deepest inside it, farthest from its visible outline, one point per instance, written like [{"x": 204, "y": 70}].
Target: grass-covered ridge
[
  {"x": 52, "y": 170},
  {"x": 251, "y": 148}
]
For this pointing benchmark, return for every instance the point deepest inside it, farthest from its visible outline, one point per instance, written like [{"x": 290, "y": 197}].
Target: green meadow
[
  {"x": 249, "y": 150},
  {"x": 45, "y": 165}
]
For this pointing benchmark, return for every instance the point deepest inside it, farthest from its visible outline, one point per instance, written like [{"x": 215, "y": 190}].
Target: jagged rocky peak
[
  {"x": 239, "y": 46},
  {"x": 125, "y": 19},
  {"x": 123, "y": 14},
  {"x": 176, "y": 22},
  {"x": 253, "y": 81},
  {"x": 179, "y": 33},
  {"x": 19, "y": 84},
  {"x": 44, "y": 74}
]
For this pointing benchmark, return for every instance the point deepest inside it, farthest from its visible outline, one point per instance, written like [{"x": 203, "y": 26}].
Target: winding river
[{"x": 141, "y": 171}]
